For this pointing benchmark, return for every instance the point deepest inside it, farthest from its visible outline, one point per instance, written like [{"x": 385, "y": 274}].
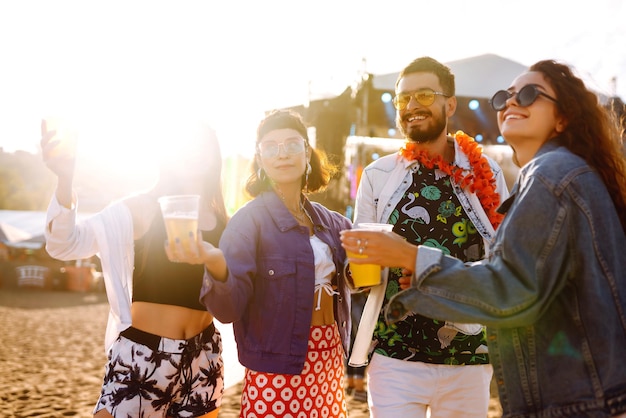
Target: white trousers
[{"x": 399, "y": 388}]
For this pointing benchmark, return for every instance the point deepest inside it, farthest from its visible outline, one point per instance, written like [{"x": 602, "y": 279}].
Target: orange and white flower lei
[{"x": 480, "y": 179}]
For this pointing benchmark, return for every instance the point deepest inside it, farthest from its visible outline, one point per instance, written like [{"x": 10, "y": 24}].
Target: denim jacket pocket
[
  {"x": 274, "y": 268},
  {"x": 274, "y": 303}
]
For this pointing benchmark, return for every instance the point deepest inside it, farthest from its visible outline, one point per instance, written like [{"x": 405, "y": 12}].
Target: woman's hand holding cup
[{"x": 376, "y": 246}]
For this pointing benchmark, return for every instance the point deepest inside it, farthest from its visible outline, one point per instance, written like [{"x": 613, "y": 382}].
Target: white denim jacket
[
  {"x": 382, "y": 185},
  {"x": 107, "y": 234}
]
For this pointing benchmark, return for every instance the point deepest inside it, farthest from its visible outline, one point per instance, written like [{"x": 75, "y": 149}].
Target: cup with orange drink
[
  {"x": 180, "y": 214},
  {"x": 366, "y": 275}
]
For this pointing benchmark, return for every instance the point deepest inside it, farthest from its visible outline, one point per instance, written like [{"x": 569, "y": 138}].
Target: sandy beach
[{"x": 52, "y": 357}]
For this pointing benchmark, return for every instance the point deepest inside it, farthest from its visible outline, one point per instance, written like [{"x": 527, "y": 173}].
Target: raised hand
[{"x": 58, "y": 148}]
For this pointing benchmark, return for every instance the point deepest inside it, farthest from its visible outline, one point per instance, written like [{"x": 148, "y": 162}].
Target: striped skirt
[{"x": 317, "y": 392}]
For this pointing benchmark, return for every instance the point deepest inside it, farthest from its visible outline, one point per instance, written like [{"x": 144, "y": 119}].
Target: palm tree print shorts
[{"x": 151, "y": 376}]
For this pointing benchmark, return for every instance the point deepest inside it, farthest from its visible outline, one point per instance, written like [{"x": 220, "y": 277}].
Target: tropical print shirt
[{"x": 430, "y": 214}]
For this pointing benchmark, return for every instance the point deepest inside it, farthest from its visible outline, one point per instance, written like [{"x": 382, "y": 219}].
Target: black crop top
[{"x": 158, "y": 280}]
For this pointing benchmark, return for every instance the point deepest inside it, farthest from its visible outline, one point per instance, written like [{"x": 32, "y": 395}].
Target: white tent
[
  {"x": 479, "y": 77},
  {"x": 22, "y": 228},
  {"x": 32, "y": 222},
  {"x": 10, "y": 234}
]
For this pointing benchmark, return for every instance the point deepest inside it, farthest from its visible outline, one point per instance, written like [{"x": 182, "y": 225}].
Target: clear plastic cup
[{"x": 180, "y": 214}]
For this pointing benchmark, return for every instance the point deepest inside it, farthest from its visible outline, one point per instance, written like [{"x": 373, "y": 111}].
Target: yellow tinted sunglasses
[{"x": 425, "y": 97}]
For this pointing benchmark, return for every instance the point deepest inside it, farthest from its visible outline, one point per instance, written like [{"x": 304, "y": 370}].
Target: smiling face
[
  {"x": 285, "y": 168},
  {"x": 421, "y": 123},
  {"x": 527, "y": 128}
]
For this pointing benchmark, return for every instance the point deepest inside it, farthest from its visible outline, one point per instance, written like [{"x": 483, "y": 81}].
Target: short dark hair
[
  {"x": 281, "y": 119},
  {"x": 431, "y": 65}
]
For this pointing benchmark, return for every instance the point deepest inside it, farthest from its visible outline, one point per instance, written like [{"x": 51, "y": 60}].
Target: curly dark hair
[
  {"x": 321, "y": 168},
  {"x": 592, "y": 131}
]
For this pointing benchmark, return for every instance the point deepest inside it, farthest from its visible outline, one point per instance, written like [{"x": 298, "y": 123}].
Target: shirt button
[
  {"x": 271, "y": 272},
  {"x": 343, "y": 324},
  {"x": 340, "y": 299}
]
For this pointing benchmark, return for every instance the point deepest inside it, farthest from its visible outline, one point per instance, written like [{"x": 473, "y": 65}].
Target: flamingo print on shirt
[{"x": 416, "y": 212}]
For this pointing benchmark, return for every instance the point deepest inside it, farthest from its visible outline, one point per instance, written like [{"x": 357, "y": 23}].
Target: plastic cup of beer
[
  {"x": 366, "y": 275},
  {"x": 180, "y": 214}
]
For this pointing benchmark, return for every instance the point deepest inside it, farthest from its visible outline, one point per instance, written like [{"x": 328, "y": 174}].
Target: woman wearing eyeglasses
[
  {"x": 280, "y": 280},
  {"x": 553, "y": 292}
]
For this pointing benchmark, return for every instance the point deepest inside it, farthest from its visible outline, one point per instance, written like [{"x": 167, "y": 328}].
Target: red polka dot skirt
[{"x": 317, "y": 392}]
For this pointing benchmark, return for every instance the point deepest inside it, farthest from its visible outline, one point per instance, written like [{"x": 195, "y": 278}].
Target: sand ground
[{"x": 52, "y": 357}]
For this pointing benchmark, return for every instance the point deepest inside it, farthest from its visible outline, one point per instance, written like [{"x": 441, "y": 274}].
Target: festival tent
[
  {"x": 478, "y": 77},
  {"x": 10, "y": 234},
  {"x": 22, "y": 228},
  {"x": 24, "y": 261}
]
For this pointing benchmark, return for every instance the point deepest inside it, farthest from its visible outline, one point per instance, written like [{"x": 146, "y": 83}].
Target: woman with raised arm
[{"x": 164, "y": 352}]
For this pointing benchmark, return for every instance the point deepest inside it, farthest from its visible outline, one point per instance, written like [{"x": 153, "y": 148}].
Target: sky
[{"x": 119, "y": 70}]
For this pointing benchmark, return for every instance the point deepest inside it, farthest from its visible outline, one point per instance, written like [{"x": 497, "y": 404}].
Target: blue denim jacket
[
  {"x": 552, "y": 294},
  {"x": 269, "y": 292}
]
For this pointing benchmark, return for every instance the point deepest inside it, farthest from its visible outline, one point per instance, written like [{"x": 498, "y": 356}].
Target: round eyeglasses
[
  {"x": 425, "y": 97},
  {"x": 292, "y": 146},
  {"x": 526, "y": 96}
]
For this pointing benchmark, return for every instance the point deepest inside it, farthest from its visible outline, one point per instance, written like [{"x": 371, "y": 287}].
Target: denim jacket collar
[
  {"x": 547, "y": 147},
  {"x": 550, "y": 145}
]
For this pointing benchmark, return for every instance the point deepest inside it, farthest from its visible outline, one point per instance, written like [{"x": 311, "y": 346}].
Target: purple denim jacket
[{"x": 268, "y": 295}]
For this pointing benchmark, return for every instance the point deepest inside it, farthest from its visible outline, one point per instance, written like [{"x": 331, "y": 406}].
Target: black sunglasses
[{"x": 524, "y": 97}]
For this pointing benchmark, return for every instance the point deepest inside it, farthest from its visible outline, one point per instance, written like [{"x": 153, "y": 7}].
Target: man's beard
[{"x": 431, "y": 134}]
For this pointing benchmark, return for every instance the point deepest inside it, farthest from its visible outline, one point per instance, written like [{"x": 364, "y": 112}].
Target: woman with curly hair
[{"x": 553, "y": 291}]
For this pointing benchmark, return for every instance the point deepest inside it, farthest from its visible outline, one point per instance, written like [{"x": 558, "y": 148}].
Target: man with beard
[{"x": 438, "y": 190}]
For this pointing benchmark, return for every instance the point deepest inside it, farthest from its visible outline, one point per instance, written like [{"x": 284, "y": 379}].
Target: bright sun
[
  {"x": 124, "y": 145},
  {"x": 118, "y": 153},
  {"x": 121, "y": 156}
]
